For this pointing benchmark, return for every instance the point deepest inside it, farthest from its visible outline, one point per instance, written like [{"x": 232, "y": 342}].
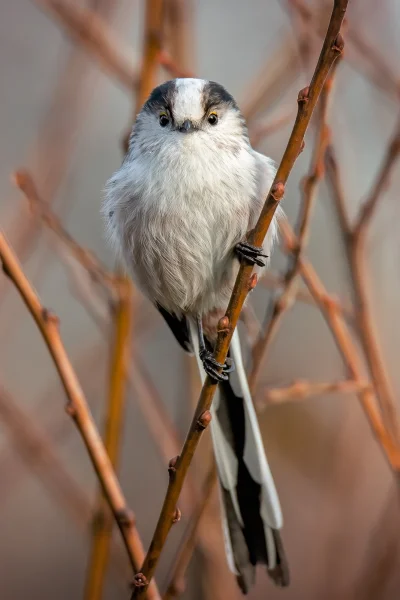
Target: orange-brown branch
[
  {"x": 300, "y": 390},
  {"x": 77, "y": 407},
  {"x": 103, "y": 522},
  {"x": 348, "y": 350},
  {"x": 309, "y": 190},
  {"x": 177, "y": 585}
]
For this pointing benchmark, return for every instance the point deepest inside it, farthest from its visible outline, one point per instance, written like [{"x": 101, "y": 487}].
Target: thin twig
[
  {"x": 260, "y": 131},
  {"x": 103, "y": 522},
  {"x": 275, "y": 281},
  {"x": 300, "y": 390},
  {"x": 36, "y": 449},
  {"x": 355, "y": 236},
  {"x": 92, "y": 32},
  {"x": 309, "y": 191},
  {"x": 273, "y": 79},
  {"x": 77, "y": 407},
  {"x": 102, "y": 43},
  {"x": 98, "y": 273},
  {"x": 348, "y": 350},
  {"x": 380, "y": 74},
  {"x": 307, "y": 99},
  {"x": 32, "y": 442}
]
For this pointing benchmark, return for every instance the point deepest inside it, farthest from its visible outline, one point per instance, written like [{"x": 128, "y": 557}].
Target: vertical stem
[{"x": 103, "y": 521}]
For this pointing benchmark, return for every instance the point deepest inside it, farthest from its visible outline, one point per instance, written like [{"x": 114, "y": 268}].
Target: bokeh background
[{"x": 63, "y": 114}]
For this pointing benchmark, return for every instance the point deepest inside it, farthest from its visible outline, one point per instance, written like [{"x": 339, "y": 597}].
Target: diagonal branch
[
  {"x": 348, "y": 351},
  {"x": 101, "y": 43},
  {"x": 177, "y": 585},
  {"x": 98, "y": 273},
  {"x": 77, "y": 407},
  {"x": 309, "y": 190},
  {"x": 92, "y": 32},
  {"x": 308, "y": 97}
]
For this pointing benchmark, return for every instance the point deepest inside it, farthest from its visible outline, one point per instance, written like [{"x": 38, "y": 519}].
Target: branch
[
  {"x": 177, "y": 585},
  {"x": 274, "y": 281},
  {"x": 260, "y": 131},
  {"x": 100, "y": 41},
  {"x": 153, "y": 31},
  {"x": 33, "y": 443},
  {"x": 273, "y": 79},
  {"x": 180, "y": 34},
  {"x": 348, "y": 351},
  {"x": 77, "y": 407},
  {"x": 381, "y": 75},
  {"x": 369, "y": 207},
  {"x": 300, "y": 390},
  {"x": 309, "y": 190},
  {"x": 102, "y": 522},
  {"x": 92, "y": 32},
  {"x": 355, "y": 242},
  {"x": 307, "y": 99},
  {"x": 97, "y": 272}
]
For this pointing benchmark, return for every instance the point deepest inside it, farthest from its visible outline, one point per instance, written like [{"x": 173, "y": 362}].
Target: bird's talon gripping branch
[
  {"x": 211, "y": 365},
  {"x": 251, "y": 253}
]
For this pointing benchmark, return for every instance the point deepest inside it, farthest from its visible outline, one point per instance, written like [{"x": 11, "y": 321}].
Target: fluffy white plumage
[{"x": 181, "y": 202}]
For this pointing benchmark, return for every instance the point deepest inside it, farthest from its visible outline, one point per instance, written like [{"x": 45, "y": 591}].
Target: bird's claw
[
  {"x": 211, "y": 365},
  {"x": 251, "y": 253}
]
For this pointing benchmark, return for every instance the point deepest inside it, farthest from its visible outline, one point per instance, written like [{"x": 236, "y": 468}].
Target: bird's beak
[{"x": 186, "y": 127}]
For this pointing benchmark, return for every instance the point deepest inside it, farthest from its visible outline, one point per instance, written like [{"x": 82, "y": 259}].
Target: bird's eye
[
  {"x": 164, "y": 120},
  {"x": 213, "y": 118}
]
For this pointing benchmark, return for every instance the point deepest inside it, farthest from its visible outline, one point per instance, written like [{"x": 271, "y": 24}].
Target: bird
[{"x": 178, "y": 211}]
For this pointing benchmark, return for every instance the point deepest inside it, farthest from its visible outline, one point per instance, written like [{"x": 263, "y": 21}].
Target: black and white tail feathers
[{"x": 250, "y": 505}]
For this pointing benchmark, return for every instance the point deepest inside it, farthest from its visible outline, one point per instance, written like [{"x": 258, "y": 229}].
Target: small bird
[{"x": 178, "y": 211}]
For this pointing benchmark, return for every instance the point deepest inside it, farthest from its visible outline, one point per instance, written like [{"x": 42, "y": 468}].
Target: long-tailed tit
[{"x": 178, "y": 210}]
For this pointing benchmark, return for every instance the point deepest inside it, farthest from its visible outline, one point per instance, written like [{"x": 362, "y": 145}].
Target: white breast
[{"x": 177, "y": 219}]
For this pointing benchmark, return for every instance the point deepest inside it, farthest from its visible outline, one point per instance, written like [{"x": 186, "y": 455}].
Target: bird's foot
[
  {"x": 211, "y": 365},
  {"x": 251, "y": 253}
]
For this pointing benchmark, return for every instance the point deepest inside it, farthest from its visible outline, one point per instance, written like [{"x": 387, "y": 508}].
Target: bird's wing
[{"x": 179, "y": 327}]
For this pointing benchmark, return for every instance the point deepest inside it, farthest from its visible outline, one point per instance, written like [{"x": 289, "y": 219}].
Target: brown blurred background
[{"x": 66, "y": 103}]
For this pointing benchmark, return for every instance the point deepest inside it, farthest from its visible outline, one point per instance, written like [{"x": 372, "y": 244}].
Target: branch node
[
  {"x": 303, "y": 95},
  {"x": 177, "y": 516},
  {"x": 303, "y": 145},
  {"x": 139, "y": 581},
  {"x": 338, "y": 44},
  {"x": 253, "y": 282},
  {"x": 204, "y": 420},
  {"x": 125, "y": 517},
  {"x": 278, "y": 190},
  {"x": 172, "y": 465},
  {"x": 223, "y": 325},
  {"x": 70, "y": 410},
  {"x": 49, "y": 317}
]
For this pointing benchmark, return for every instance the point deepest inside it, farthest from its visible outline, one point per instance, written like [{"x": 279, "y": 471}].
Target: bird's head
[{"x": 189, "y": 112}]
